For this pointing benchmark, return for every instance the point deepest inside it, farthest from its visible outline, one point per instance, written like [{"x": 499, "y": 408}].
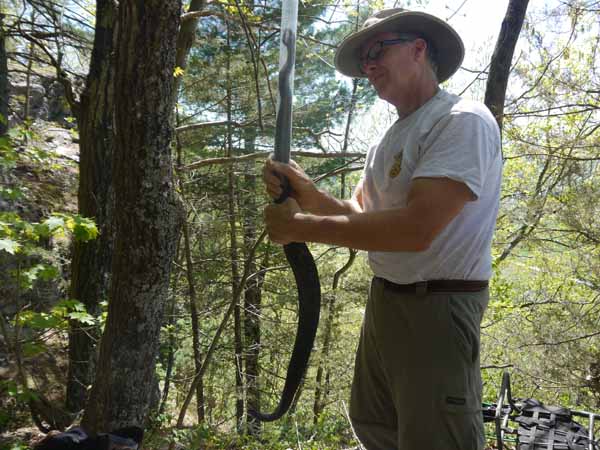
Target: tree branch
[{"x": 259, "y": 155}]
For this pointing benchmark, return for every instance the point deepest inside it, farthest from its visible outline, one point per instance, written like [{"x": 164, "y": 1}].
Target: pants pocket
[
  {"x": 465, "y": 316},
  {"x": 463, "y": 423}
]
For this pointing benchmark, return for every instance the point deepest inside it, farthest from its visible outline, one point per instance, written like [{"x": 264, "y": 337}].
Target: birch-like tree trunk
[{"x": 148, "y": 215}]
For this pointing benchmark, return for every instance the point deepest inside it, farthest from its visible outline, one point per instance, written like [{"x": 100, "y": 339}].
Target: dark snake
[{"x": 297, "y": 254}]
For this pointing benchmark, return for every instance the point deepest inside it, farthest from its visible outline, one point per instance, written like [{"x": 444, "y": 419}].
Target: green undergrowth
[{"x": 332, "y": 432}]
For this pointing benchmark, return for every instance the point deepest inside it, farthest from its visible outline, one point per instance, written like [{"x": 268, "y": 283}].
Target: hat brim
[{"x": 449, "y": 47}]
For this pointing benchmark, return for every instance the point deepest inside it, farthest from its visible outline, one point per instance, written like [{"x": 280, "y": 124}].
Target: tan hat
[{"x": 447, "y": 43}]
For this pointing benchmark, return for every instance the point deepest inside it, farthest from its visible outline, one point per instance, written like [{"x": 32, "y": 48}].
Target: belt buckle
[{"x": 421, "y": 288}]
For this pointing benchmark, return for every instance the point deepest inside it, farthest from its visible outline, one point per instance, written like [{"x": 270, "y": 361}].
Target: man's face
[{"x": 389, "y": 63}]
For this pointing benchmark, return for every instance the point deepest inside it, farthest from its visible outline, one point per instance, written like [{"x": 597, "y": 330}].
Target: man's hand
[
  {"x": 280, "y": 221},
  {"x": 304, "y": 190}
]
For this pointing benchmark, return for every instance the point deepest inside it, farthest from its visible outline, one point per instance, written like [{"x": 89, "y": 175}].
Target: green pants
[{"x": 417, "y": 382}]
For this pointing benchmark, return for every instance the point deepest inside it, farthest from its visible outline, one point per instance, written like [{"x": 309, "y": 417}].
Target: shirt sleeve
[{"x": 461, "y": 146}]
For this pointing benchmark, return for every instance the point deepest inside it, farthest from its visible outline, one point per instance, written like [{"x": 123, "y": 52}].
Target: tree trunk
[
  {"x": 186, "y": 38},
  {"x": 233, "y": 253},
  {"x": 195, "y": 322},
  {"x": 321, "y": 386},
  {"x": 495, "y": 91},
  {"x": 90, "y": 266},
  {"x": 239, "y": 365},
  {"x": 170, "y": 359},
  {"x": 252, "y": 293},
  {"x": 252, "y": 311},
  {"x": 190, "y": 276},
  {"x": 235, "y": 281},
  {"x": 3, "y": 80},
  {"x": 147, "y": 213},
  {"x": 26, "y": 107}
]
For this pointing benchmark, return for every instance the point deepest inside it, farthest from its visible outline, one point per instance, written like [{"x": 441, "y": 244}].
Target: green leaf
[
  {"x": 17, "y": 391},
  {"x": 32, "y": 349},
  {"x": 11, "y": 387},
  {"x": 5, "y": 143},
  {"x": 4, "y": 419},
  {"x": 30, "y": 276},
  {"x": 84, "y": 229},
  {"x": 10, "y": 246},
  {"x": 19, "y": 446},
  {"x": 54, "y": 223},
  {"x": 62, "y": 309},
  {"x": 11, "y": 193},
  {"x": 73, "y": 310},
  {"x": 67, "y": 305},
  {"x": 39, "y": 321},
  {"x": 82, "y": 317},
  {"x": 47, "y": 272}
]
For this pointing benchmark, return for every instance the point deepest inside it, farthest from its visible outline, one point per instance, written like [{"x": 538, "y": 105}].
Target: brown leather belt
[{"x": 423, "y": 287}]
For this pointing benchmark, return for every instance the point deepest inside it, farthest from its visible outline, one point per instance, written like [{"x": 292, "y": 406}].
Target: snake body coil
[{"x": 299, "y": 257}]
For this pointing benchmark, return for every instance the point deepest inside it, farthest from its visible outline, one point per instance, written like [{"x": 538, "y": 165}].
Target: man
[{"x": 425, "y": 210}]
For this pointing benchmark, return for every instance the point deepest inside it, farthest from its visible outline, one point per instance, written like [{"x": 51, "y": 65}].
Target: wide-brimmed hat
[{"x": 448, "y": 45}]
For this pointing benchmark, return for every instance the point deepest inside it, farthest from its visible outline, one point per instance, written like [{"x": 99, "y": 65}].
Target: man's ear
[{"x": 420, "y": 49}]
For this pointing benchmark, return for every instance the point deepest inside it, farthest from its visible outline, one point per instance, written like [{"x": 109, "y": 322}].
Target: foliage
[
  {"x": 331, "y": 432},
  {"x": 543, "y": 316},
  {"x": 31, "y": 257},
  {"x": 542, "y": 320}
]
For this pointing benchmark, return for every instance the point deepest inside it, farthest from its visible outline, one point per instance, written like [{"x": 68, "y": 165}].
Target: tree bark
[
  {"x": 3, "y": 80},
  {"x": 187, "y": 37},
  {"x": 189, "y": 269},
  {"x": 26, "y": 107},
  {"x": 148, "y": 215},
  {"x": 235, "y": 281},
  {"x": 170, "y": 359},
  {"x": 252, "y": 312},
  {"x": 252, "y": 294},
  {"x": 90, "y": 266},
  {"x": 190, "y": 272},
  {"x": 233, "y": 253},
  {"x": 495, "y": 92}
]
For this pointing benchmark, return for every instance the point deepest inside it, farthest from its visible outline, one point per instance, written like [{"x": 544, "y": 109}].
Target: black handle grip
[{"x": 286, "y": 189}]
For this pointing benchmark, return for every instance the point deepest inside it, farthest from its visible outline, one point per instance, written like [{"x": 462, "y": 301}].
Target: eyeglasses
[{"x": 375, "y": 51}]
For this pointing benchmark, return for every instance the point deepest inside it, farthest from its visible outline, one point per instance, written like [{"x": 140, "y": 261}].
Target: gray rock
[{"x": 38, "y": 107}]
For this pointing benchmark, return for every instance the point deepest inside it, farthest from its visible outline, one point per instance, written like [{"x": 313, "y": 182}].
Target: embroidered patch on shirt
[{"x": 396, "y": 166}]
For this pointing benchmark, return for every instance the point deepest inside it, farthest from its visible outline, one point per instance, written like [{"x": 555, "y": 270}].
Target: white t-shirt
[{"x": 447, "y": 137}]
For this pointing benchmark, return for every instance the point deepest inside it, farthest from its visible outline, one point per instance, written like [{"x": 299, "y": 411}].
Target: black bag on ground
[
  {"x": 76, "y": 438},
  {"x": 544, "y": 427}
]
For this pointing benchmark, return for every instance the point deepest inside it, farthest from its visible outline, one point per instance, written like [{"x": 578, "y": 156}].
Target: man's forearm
[
  {"x": 326, "y": 204},
  {"x": 389, "y": 230},
  {"x": 431, "y": 205}
]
